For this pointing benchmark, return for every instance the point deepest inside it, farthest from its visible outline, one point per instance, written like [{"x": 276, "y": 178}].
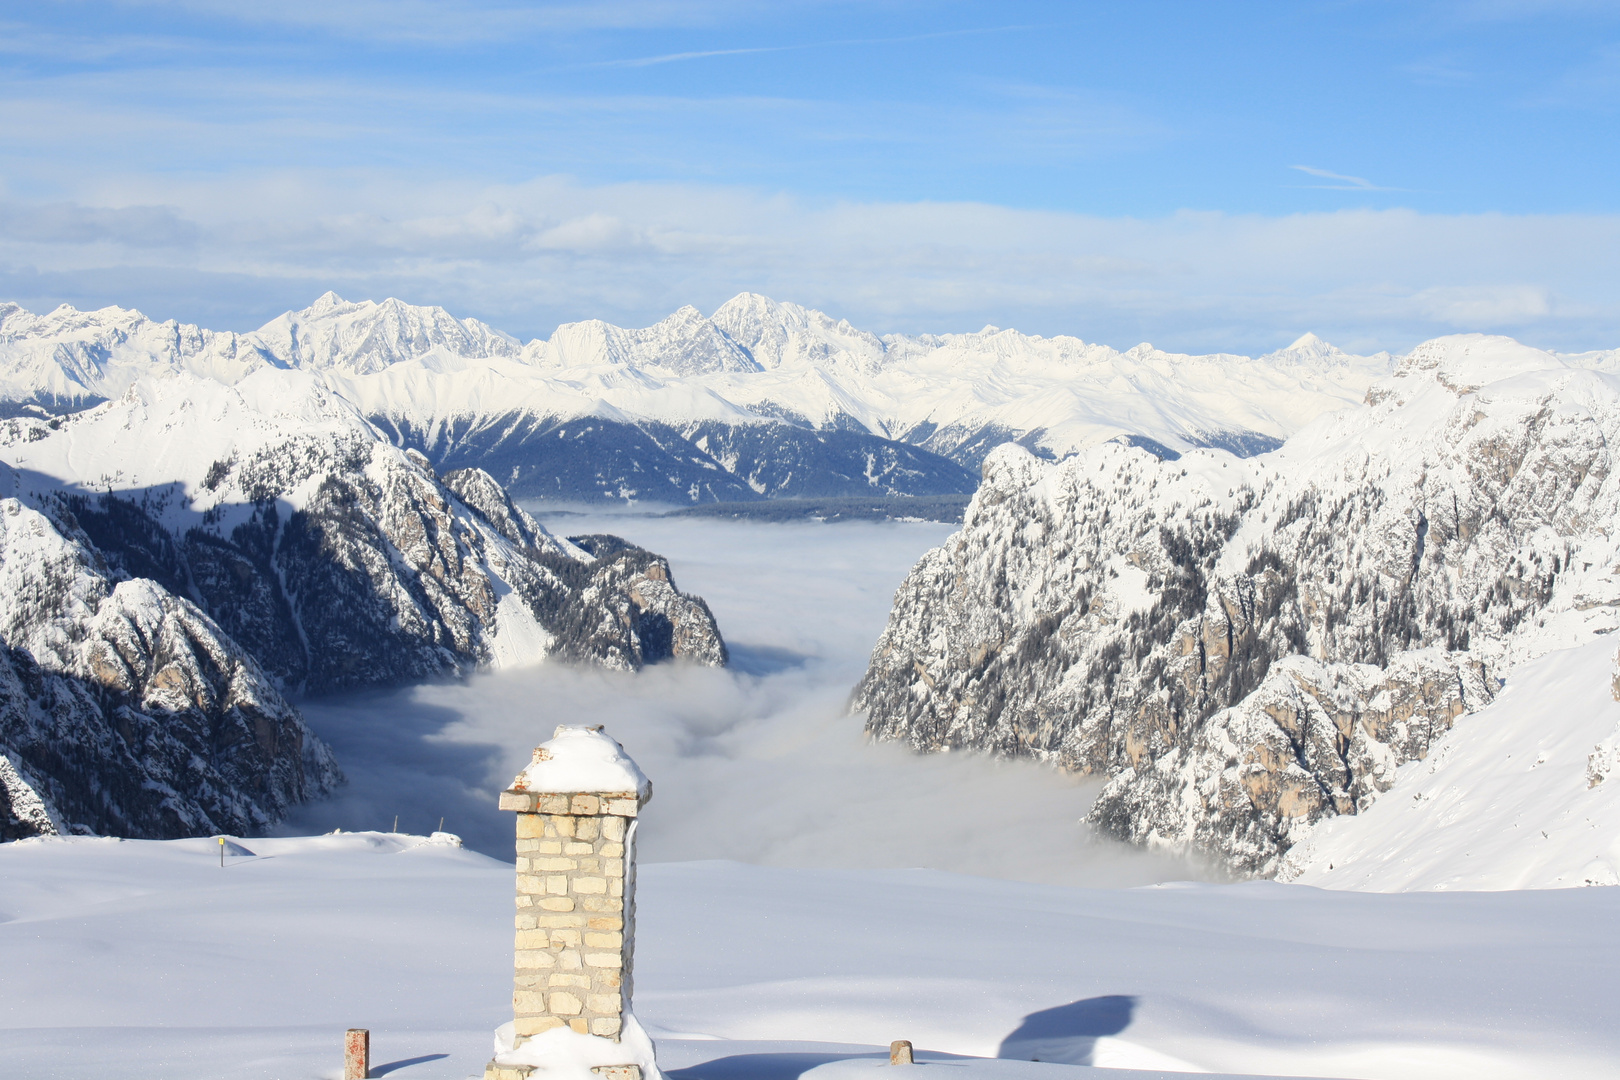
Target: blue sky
[{"x": 1202, "y": 175}]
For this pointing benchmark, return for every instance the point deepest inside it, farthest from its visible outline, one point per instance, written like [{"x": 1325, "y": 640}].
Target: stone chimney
[{"x": 576, "y": 804}]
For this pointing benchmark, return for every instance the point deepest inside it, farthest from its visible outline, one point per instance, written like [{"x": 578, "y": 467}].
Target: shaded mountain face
[
  {"x": 124, "y": 708},
  {"x": 1245, "y": 647},
  {"x": 172, "y": 562},
  {"x": 588, "y": 458},
  {"x": 763, "y": 397}
]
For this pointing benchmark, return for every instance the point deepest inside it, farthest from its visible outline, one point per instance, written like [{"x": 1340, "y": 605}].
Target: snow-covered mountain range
[
  {"x": 174, "y": 560},
  {"x": 1248, "y": 647},
  {"x": 761, "y": 399}
]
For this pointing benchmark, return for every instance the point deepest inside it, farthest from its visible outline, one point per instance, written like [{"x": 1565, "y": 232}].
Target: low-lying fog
[{"x": 756, "y": 763}]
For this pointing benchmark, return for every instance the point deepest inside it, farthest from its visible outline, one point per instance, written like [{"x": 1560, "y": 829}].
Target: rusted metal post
[{"x": 356, "y": 1054}]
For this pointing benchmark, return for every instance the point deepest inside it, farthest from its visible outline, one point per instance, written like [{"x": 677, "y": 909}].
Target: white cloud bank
[
  {"x": 758, "y": 763},
  {"x": 231, "y": 253}
]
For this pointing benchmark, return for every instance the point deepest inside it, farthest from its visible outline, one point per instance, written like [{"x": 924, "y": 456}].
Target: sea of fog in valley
[{"x": 757, "y": 763}]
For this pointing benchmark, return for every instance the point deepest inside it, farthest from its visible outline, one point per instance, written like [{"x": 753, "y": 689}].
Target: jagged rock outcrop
[
  {"x": 1313, "y": 740},
  {"x": 1246, "y": 647},
  {"x": 605, "y": 600},
  {"x": 635, "y": 590},
  {"x": 22, "y": 812},
  {"x": 124, "y": 709}
]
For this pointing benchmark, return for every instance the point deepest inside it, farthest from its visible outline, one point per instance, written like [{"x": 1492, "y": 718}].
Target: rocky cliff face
[
  {"x": 177, "y": 559},
  {"x": 591, "y": 458},
  {"x": 124, "y": 709},
  {"x": 1246, "y": 647}
]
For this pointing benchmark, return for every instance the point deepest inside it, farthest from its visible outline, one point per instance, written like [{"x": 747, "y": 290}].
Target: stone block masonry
[
  {"x": 577, "y": 804},
  {"x": 575, "y": 921}
]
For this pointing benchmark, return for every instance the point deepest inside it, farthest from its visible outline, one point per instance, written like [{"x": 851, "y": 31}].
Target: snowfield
[
  {"x": 146, "y": 960},
  {"x": 1520, "y": 795}
]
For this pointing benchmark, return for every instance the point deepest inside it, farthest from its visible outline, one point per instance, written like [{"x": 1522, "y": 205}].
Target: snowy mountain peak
[
  {"x": 684, "y": 343},
  {"x": 16, "y": 321},
  {"x": 367, "y": 337},
  {"x": 778, "y": 334},
  {"x": 1461, "y": 364},
  {"x": 1311, "y": 352},
  {"x": 755, "y": 361},
  {"x": 1465, "y": 362}
]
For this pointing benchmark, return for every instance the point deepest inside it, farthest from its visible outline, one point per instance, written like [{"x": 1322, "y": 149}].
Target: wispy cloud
[
  {"x": 674, "y": 58},
  {"x": 670, "y": 58},
  {"x": 1515, "y": 10},
  {"x": 73, "y": 224},
  {"x": 459, "y": 22},
  {"x": 95, "y": 122},
  {"x": 1591, "y": 83},
  {"x": 1444, "y": 70},
  {"x": 1346, "y": 183}
]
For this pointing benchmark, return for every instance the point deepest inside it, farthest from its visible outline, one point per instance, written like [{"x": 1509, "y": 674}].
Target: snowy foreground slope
[
  {"x": 172, "y": 561},
  {"x": 1248, "y": 647},
  {"x": 762, "y": 399},
  {"x": 145, "y": 960},
  {"x": 1521, "y": 795}
]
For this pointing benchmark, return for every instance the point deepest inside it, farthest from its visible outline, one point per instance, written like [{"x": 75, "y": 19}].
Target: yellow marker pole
[{"x": 222, "y": 853}]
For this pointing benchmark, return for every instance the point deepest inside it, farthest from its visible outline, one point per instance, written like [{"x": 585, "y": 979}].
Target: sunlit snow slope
[{"x": 1521, "y": 795}]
